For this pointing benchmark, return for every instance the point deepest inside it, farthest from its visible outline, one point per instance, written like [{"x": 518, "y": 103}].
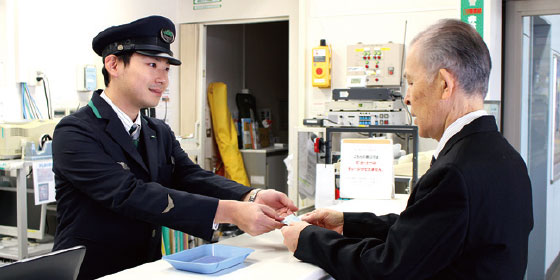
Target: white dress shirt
[
  {"x": 125, "y": 119},
  {"x": 455, "y": 127}
]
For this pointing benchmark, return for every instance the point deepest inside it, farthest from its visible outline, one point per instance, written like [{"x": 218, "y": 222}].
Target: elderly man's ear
[{"x": 447, "y": 83}]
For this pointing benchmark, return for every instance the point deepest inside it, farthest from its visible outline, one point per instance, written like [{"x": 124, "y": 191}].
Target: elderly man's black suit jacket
[{"x": 468, "y": 217}]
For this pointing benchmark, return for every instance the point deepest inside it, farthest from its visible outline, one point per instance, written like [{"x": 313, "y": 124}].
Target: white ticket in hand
[{"x": 290, "y": 219}]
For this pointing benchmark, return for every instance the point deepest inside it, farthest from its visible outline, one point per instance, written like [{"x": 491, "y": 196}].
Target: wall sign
[{"x": 472, "y": 12}]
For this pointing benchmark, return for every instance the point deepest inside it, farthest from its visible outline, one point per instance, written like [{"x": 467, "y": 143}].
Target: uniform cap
[{"x": 151, "y": 36}]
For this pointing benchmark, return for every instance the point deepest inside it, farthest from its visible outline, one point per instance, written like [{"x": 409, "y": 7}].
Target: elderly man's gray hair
[{"x": 456, "y": 46}]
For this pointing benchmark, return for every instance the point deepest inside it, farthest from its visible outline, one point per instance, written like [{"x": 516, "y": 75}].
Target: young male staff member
[
  {"x": 120, "y": 176},
  {"x": 470, "y": 215}
]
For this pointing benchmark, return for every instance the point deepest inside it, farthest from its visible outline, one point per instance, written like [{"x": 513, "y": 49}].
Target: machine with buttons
[
  {"x": 321, "y": 75},
  {"x": 364, "y": 107},
  {"x": 374, "y": 65},
  {"x": 364, "y": 118}
]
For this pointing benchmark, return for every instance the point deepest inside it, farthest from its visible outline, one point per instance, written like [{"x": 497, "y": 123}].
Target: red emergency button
[{"x": 319, "y": 71}]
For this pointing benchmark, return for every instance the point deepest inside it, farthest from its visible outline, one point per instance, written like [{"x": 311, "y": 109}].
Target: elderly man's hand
[
  {"x": 291, "y": 234},
  {"x": 326, "y": 218}
]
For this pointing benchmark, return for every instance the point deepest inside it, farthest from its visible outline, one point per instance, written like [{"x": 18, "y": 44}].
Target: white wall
[{"x": 55, "y": 37}]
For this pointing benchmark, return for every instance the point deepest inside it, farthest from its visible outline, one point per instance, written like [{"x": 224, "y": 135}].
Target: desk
[
  {"x": 265, "y": 168},
  {"x": 271, "y": 259}
]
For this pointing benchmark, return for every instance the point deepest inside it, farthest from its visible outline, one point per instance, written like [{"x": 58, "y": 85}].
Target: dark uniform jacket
[
  {"x": 468, "y": 217},
  {"x": 112, "y": 196}
]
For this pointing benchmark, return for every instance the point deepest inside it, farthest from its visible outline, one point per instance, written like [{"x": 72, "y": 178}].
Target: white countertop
[
  {"x": 271, "y": 259},
  {"x": 377, "y": 206}
]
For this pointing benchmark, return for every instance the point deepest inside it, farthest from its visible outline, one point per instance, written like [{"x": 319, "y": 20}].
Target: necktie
[{"x": 134, "y": 133}]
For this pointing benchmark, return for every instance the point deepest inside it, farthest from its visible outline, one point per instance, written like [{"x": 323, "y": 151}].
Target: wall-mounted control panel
[{"x": 374, "y": 65}]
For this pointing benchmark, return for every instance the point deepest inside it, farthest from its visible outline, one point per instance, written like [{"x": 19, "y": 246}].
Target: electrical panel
[
  {"x": 364, "y": 105},
  {"x": 374, "y": 65}
]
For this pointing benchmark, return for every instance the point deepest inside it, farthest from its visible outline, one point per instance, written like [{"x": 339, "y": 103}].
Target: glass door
[{"x": 539, "y": 89}]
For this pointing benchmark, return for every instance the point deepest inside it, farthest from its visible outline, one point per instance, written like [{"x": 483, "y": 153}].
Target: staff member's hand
[
  {"x": 291, "y": 234},
  {"x": 326, "y": 218},
  {"x": 277, "y": 201},
  {"x": 252, "y": 218}
]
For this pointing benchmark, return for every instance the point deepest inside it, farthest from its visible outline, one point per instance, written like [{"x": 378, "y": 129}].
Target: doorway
[
  {"x": 252, "y": 60},
  {"x": 531, "y": 118}
]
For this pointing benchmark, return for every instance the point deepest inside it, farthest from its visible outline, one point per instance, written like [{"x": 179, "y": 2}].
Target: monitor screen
[{"x": 8, "y": 207}]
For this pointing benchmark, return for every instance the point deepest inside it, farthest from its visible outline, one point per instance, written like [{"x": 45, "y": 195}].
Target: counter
[{"x": 271, "y": 259}]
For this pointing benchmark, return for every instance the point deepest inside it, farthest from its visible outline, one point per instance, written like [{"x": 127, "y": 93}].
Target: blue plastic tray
[{"x": 208, "y": 258}]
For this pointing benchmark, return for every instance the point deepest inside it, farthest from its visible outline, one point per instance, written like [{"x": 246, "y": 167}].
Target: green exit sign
[{"x": 472, "y": 12}]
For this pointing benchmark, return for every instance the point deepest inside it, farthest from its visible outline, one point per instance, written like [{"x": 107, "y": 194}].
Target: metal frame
[{"x": 378, "y": 129}]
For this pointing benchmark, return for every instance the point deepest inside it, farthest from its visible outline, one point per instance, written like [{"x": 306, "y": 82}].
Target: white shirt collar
[
  {"x": 125, "y": 119},
  {"x": 455, "y": 127}
]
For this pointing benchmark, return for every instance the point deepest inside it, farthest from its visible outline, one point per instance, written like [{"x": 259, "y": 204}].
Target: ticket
[{"x": 290, "y": 219}]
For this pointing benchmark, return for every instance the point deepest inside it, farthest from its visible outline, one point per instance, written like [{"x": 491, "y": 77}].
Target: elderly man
[{"x": 470, "y": 215}]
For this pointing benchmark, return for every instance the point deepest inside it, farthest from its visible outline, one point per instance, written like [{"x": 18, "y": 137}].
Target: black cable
[
  {"x": 49, "y": 99},
  {"x": 39, "y": 78}
]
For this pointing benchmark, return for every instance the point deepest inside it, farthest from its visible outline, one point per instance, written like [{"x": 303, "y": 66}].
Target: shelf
[
  {"x": 9, "y": 248},
  {"x": 12, "y": 189}
]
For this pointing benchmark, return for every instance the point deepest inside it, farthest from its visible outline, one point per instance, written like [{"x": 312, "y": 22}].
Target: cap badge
[{"x": 167, "y": 36}]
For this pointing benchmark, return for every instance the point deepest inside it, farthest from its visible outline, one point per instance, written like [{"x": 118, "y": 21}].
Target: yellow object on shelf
[{"x": 225, "y": 134}]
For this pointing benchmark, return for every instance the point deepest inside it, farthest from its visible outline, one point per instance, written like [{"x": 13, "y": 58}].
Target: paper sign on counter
[{"x": 366, "y": 169}]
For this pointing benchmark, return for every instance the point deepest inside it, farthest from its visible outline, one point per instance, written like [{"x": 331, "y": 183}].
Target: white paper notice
[
  {"x": 366, "y": 168},
  {"x": 324, "y": 186},
  {"x": 43, "y": 181}
]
